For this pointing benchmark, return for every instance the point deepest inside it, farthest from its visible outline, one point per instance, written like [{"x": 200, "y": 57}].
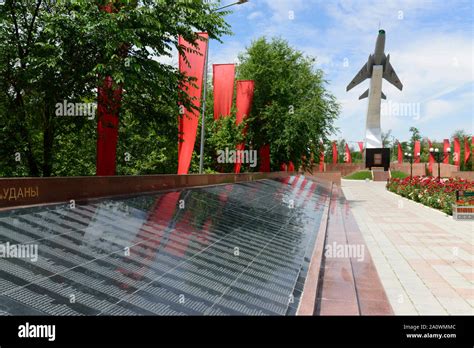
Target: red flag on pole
[
  {"x": 467, "y": 150},
  {"x": 361, "y": 146},
  {"x": 334, "y": 153},
  {"x": 189, "y": 121},
  {"x": 243, "y": 104},
  {"x": 431, "y": 159},
  {"x": 347, "y": 155},
  {"x": 445, "y": 151},
  {"x": 400, "y": 153},
  {"x": 416, "y": 151},
  {"x": 223, "y": 78},
  {"x": 457, "y": 152},
  {"x": 108, "y": 106}
]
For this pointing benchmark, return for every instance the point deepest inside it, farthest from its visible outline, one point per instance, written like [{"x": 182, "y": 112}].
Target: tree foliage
[
  {"x": 292, "y": 110},
  {"x": 53, "y": 51}
]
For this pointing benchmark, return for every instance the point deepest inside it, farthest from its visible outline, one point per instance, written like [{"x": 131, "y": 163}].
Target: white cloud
[
  {"x": 431, "y": 51},
  {"x": 284, "y": 10},
  {"x": 433, "y": 62},
  {"x": 255, "y": 15}
]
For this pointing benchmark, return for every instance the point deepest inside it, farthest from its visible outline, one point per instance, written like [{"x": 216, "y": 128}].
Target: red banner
[
  {"x": 467, "y": 150},
  {"x": 223, "y": 78},
  {"x": 108, "y": 107},
  {"x": 400, "y": 153},
  {"x": 431, "y": 159},
  {"x": 265, "y": 158},
  {"x": 361, "y": 146},
  {"x": 347, "y": 155},
  {"x": 334, "y": 153},
  {"x": 189, "y": 121},
  {"x": 457, "y": 152},
  {"x": 160, "y": 216},
  {"x": 243, "y": 104},
  {"x": 445, "y": 151},
  {"x": 244, "y": 99},
  {"x": 416, "y": 151}
]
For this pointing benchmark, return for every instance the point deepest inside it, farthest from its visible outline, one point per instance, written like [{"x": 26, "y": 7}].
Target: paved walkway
[{"x": 424, "y": 259}]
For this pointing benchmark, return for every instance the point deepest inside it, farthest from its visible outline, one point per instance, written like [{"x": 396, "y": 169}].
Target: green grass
[
  {"x": 361, "y": 175},
  {"x": 399, "y": 175},
  {"x": 366, "y": 174}
]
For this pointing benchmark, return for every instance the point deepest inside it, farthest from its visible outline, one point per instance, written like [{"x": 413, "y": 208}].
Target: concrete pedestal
[{"x": 377, "y": 158}]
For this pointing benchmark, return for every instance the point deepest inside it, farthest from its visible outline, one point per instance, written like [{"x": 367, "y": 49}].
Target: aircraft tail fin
[{"x": 364, "y": 95}]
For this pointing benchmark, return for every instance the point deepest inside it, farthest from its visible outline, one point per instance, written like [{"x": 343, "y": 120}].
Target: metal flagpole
[{"x": 203, "y": 116}]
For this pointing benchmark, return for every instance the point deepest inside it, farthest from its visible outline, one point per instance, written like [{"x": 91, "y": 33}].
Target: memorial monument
[{"x": 377, "y": 67}]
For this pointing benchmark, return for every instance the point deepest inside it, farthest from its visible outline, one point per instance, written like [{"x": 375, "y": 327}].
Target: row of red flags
[
  {"x": 446, "y": 146},
  {"x": 416, "y": 151},
  {"x": 223, "y": 83},
  {"x": 335, "y": 154}
]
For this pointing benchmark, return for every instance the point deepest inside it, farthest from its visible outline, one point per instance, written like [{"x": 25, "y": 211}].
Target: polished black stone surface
[{"x": 239, "y": 249}]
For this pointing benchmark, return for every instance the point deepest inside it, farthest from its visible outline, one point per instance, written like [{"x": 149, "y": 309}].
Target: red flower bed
[{"x": 429, "y": 191}]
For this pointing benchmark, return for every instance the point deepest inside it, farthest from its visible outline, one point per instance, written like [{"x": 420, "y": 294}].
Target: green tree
[
  {"x": 415, "y": 136},
  {"x": 53, "y": 51},
  {"x": 292, "y": 108},
  {"x": 387, "y": 138}
]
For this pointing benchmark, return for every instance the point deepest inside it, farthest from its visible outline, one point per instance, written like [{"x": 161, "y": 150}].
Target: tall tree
[
  {"x": 415, "y": 135},
  {"x": 387, "y": 138},
  {"x": 292, "y": 108},
  {"x": 55, "y": 51}
]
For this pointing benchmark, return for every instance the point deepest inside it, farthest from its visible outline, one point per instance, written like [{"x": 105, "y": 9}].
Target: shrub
[{"x": 438, "y": 194}]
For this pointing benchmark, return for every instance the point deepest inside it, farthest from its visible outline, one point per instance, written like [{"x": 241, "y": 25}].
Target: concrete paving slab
[{"x": 425, "y": 259}]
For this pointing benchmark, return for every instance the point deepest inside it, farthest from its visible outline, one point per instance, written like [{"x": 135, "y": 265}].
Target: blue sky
[{"x": 430, "y": 45}]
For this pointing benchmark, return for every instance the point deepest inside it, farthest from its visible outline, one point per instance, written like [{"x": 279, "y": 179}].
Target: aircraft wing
[
  {"x": 361, "y": 76},
  {"x": 391, "y": 76}
]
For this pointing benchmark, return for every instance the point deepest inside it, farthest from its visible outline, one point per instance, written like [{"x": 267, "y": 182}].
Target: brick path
[
  {"x": 349, "y": 284},
  {"x": 425, "y": 260}
]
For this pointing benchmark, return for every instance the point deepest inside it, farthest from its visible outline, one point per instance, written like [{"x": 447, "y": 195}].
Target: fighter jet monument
[{"x": 378, "y": 67}]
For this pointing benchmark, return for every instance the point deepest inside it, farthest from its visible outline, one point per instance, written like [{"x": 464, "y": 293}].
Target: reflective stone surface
[{"x": 239, "y": 249}]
